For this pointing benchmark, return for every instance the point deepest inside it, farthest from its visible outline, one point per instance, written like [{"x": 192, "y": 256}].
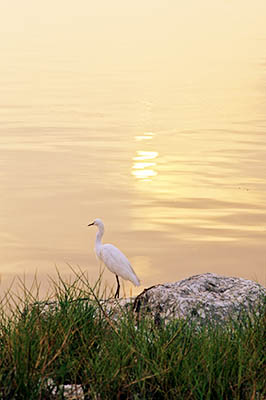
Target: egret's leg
[{"x": 118, "y": 287}]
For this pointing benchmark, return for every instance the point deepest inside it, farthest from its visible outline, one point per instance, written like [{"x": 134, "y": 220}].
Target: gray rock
[{"x": 200, "y": 297}]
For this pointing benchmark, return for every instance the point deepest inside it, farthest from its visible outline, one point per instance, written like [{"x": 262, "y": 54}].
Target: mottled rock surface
[{"x": 200, "y": 297}]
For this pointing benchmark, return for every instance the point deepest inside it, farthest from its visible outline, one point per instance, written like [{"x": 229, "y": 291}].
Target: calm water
[{"x": 150, "y": 115}]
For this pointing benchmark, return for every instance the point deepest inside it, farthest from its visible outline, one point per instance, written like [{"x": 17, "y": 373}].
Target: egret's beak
[{"x": 91, "y": 224}]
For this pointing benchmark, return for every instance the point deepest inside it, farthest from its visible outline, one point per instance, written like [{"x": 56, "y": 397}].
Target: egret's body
[{"x": 113, "y": 258}]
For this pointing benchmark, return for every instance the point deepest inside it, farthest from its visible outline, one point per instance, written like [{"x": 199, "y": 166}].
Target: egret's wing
[{"x": 118, "y": 263}]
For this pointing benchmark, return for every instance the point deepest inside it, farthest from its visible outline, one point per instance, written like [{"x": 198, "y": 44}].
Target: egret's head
[{"x": 97, "y": 222}]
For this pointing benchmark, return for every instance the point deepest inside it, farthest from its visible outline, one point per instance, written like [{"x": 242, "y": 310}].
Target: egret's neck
[{"x": 99, "y": 235}]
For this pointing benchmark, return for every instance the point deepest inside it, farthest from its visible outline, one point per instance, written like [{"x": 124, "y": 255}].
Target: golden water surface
[{"x": 149, "y": 114}]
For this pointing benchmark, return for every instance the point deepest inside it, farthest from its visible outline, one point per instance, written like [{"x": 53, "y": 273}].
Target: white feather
[
  {"x": 112, "y": 257},
  {"x": 117, "y": 263}
]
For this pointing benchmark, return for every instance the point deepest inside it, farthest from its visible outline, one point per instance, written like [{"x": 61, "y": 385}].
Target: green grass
[{"x": 76, "y": 342}]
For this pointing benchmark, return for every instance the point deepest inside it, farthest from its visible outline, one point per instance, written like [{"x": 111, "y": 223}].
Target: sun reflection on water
[
  {"x": 145, "y": 136},
  {"x": 144, "y": 170},
  {"x": 146, "y": 155},
  {"x": 144, "y": 164}
]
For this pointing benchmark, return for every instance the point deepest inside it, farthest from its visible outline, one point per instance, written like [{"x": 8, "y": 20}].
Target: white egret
[{"x": 113, "y": 258}]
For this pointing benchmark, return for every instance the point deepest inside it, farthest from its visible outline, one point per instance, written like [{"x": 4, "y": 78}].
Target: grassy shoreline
[{"x": 43, "y": 347}]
